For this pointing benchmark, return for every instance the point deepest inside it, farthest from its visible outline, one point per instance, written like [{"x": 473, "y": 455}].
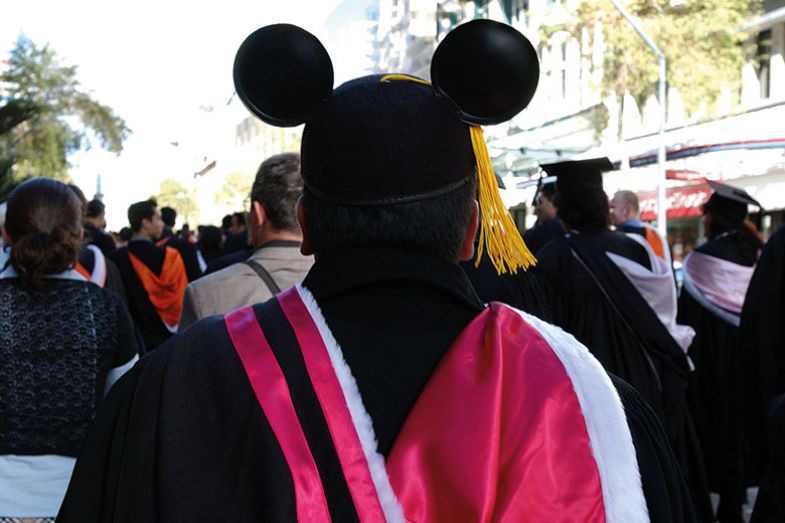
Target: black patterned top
[{"x": 57, "y": 346}]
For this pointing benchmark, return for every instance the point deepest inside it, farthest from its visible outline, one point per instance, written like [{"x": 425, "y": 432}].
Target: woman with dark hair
[
  {"x": 716, "y": 277},
  {"x": 63, "y": 343}
]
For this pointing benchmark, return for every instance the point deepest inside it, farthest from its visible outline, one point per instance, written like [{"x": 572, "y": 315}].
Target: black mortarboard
[
  {"x": 579, "y": 175},
  {"x": 386, "y": 139},
  {"x": 729, "y": 201}
]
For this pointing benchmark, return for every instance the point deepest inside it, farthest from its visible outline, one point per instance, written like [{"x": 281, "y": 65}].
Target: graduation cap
[
  {"x": 579, "y": 175},
  {"x": 389, "y": 139},
  {"x": 729, "y": 201}
]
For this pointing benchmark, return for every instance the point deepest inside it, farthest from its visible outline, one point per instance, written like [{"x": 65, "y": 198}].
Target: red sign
[{"x": 682, "y": 202}]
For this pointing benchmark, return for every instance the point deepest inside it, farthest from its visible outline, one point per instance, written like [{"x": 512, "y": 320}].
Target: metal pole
[{"x": 662, "y": 225}]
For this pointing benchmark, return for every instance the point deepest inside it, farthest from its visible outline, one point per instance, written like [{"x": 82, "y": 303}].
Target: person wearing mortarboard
[
  {"x": 548, "y": 224},
  {"x": 716, "y": 277},
  {"x": 382, "y": 388},
  {"x": 619, "y": 299}
]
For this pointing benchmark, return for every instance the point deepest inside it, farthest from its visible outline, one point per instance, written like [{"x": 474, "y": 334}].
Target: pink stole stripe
[
  {"x": 272, "y": 393},
  {"x": 333, "y": 402}
]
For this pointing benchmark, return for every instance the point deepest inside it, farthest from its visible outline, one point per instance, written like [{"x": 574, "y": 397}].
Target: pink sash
[{"x": 498, "y": 433}]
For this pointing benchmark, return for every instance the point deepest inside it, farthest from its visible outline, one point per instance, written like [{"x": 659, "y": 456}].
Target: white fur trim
[
  {"x": 606, "y": 424},
  {"x": 99, "y": 270},
  {"x": 362, "y": 421}
]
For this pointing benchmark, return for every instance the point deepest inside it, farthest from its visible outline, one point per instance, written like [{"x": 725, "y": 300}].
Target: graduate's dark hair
[
  {"x": 82, "y": 200},
  {"x": 141, "y": 211},
  {"x": 583, "y": 210},
  {"x": 44, "y": 223},
  {"x": 95, "y": 208},
  {"x": 435, "y": 226},
  {"x": 277, "y": 186},
  {"x": 750, "y": 241},
  {"x": 549, "y": 191},
  {"x": 226, "y": 222},
  {"x": 210, "y": 240},
  {"x": 169, "y": 216}
]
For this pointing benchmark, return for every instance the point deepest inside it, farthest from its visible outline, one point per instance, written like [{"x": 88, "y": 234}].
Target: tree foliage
[
  {"x": 45, "y": 114},
  {"x": 700, "y": 38},
  {"x": 234, "y": 191},
  {"x": 174, "y": 194}
]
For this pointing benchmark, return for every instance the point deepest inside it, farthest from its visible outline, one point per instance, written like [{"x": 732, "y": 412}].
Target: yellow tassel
[{"x": 498, "y": 233}]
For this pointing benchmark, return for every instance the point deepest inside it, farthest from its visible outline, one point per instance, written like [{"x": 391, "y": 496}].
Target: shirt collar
[{"x": 70, "y": 274}]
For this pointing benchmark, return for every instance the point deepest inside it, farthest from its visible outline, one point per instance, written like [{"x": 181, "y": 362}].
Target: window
[{"x": 763, "y": 62}]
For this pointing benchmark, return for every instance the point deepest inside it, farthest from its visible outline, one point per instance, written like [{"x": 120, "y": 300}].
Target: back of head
[
  {"x": 394, "y": 160},
  {"x": 277, "y": 186},
  {"x": 82, "y": 199},
  {"x": 583, "y": 210},
  {"x": 624, "y": 206},
  {"x": 581, "y": 201},
  {"x": 95, "y": 208},
  {"x": 169, "y": 216},
  {"x": 44, "y": 223},
  {"x": 139, "y": 211},
  {"x": 724, "y": 215},
  {"x": 238, "y": 220},
  {"x": 210, "y": 240},
  {"x": 226, "y": 222},
  {"x": 375, "y": 144}
]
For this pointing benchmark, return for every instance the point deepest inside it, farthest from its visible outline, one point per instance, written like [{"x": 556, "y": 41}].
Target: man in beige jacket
[{"x": 276, "y": 264}]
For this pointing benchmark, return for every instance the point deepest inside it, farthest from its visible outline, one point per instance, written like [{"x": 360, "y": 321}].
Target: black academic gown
[
  {"x": 521, "y": 290},
  {"x": 762, "y": 366},
  {"x": 715, "y": 354},
  {"x": 538, "y": 236},
  {"x": 144, "y": 314},
  {"x": 99, "y": 238},
  {"x": 591, "y": 298},
  {"x": 187, "y": 253},
  {"x": 770, "y": 503},
  {"x": 182, "y": 437},
  {"x": 113, "y": 282}
]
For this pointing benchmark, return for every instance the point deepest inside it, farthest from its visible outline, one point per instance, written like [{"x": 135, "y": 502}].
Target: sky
[{"x": 165, "y": 68}]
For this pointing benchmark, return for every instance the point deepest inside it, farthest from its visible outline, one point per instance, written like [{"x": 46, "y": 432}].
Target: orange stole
[
  {"x": 83, "y": 271},
  {"x": 656, "y": 243},
  {"x": 165, "y": 291}
]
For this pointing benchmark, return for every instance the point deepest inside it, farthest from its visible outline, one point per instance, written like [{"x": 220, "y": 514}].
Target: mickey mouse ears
[
  {"x": 487, "y": 70},
  {"x": 282, "y": 73}
]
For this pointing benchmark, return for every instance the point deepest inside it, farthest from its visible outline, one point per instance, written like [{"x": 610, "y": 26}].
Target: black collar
[{"x": 357, "y": 269}]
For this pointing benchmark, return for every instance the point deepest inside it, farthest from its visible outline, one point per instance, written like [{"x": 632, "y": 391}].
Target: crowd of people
[{"x": 370, "y": 339}]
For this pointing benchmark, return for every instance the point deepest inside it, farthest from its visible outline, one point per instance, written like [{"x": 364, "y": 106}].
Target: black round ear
[
  {"x": 282, "y": 73},
  {"x": 487, "y": 69}
]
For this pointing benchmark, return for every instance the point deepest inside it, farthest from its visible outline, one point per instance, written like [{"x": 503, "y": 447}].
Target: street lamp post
[{"x": 662, "y": 226}]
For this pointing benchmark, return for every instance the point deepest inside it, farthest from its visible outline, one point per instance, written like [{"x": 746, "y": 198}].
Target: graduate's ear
[
  {"x": 467, "y": 247},
  {"x": 282, "y": 73},
  {"x": 305, "y": 246},
  {"x": 488, "y": 70},
  {"x": 258, "y": 213}
]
